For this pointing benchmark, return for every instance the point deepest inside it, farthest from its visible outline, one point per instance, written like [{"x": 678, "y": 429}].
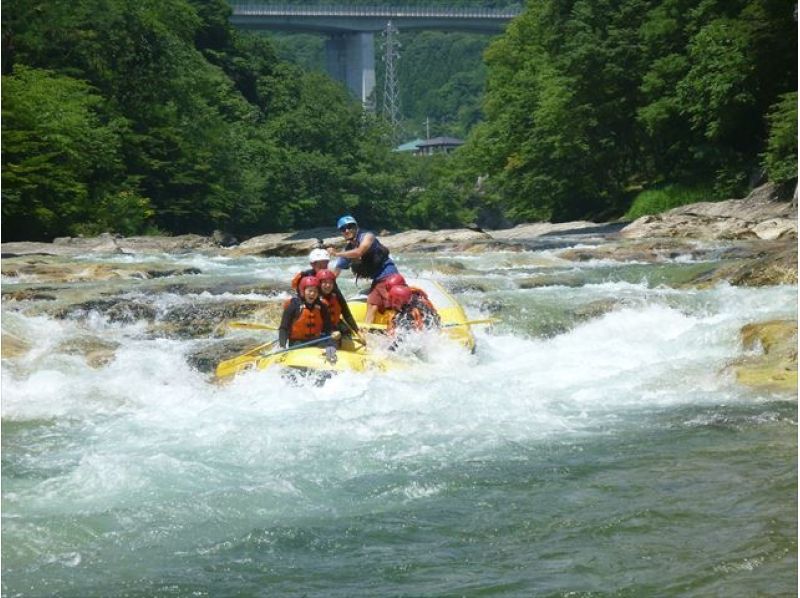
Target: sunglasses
[{"x": 348, "y": 227}]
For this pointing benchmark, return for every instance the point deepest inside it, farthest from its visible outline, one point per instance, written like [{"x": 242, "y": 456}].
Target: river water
[{"x": 595, "y": 443}]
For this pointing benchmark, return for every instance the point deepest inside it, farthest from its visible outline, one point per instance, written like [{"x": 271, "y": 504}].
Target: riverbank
[
  {"x": 743, "y": 243},
  {"x": 760, "y": 216}
]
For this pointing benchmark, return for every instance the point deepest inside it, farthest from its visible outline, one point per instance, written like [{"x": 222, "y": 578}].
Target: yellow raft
[{"x": 354, "y": 356}]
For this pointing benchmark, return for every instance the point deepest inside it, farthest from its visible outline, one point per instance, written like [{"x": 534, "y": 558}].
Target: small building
[
  {"x": 410, "y": 146},
  {"x": 438, "y": 145}
]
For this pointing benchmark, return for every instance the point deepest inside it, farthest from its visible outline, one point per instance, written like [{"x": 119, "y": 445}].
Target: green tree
[
  {"x": 780, "y": 159},
  {"x": 59, "y": 158}
]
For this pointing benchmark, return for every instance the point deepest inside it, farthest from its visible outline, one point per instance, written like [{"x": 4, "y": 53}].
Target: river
[{"x": 595, "y": 443}]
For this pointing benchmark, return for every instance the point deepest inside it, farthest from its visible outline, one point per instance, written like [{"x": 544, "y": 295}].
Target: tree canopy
[
  {"x": 155, "y": 116},
  {"x": 588, "y": 100}
]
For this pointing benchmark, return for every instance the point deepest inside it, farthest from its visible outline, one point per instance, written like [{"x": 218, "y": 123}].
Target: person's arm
[
  {"x": 337, "y": 264},
  {"x": 347, "y": 316},
  {"x": 286, "y": 322},
  {"x": 357, "y": 252}
]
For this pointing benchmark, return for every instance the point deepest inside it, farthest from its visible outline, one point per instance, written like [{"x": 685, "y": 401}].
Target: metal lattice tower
[{"x": 391, "y": 91}]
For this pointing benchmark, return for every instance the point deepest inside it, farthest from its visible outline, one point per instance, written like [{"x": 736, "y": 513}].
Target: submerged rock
[
  {"x": 120, "y": 311},
  {"x": 775, "y": 366},
  {"x": 195, "y": 321},
  {"x": 98, "y": 352},
  {"x": 206, "y": 359},
  {"x": 13, "y": 345},
  {"x": 51, "y": 269},
  {"x": 770, "y": 264}
]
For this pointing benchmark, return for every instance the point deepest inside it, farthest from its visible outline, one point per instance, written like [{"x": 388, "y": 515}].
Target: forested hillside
[
  {"x": 442, "y": 95},
  {"x": 152, "y": 115},
  {"x": 590, "y": 101},
  {"x": 155, "y": 116}
]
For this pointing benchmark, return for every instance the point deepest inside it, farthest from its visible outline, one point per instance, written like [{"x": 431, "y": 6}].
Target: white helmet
[{"x": 318, "y": 255}]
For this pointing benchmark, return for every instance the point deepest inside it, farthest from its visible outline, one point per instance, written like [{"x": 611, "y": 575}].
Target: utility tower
[{"x": 391, "y": 91}]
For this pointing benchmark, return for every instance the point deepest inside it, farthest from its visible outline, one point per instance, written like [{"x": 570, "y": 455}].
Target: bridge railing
[{"x": 276, "y": 10}]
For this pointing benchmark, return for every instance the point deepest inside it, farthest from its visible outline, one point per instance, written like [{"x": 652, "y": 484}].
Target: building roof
[
  {"x": 439, "y": 141},
  {"x": 409, "y": 146}
]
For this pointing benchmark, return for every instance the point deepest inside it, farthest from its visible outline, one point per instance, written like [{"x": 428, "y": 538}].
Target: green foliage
[
  {"x": 124, "y": 212},
  {"x": 780, "y": 159},
  {"x": 586, "y": 98},
  {"x": 655, "y": 201},
  {"x": 135, "y": 116},
  {"x": 56, "y": 153}
]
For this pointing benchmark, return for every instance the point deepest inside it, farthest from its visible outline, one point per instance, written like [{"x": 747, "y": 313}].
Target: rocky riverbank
[{"x": 748, "y": 243}]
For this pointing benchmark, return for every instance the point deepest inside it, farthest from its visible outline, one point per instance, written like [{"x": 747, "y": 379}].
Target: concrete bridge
[{"x": 350, "y": 49}]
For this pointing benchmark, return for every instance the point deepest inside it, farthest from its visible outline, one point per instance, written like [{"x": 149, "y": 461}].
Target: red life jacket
[
  {"x": 308, "y": 323},
  {"x": 422, "y": 296},
  {"x": 417, "y": 315}
]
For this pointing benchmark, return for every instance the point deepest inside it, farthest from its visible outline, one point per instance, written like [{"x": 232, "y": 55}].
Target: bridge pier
[{"x": 350, "y": 58}]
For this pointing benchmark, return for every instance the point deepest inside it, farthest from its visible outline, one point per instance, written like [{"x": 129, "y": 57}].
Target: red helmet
[
  {"x": 398, "y": 296},
  {"x": 307, "y": 281},
  {"x": 325, "y": 275},
  {"x": 394, "y": 280}
]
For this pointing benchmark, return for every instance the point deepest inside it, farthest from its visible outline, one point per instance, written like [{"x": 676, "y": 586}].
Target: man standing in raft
[{"x": 367, "y": 258}]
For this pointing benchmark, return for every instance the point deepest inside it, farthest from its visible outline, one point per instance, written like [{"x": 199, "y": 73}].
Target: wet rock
[
  {"x": 774, "y": 366},
  {"x": 121, "y": 311},
  {"x": 491, "y": 306},
  {"x": 174, "y": 272},
  {"x": 459, "y": 288},
  {"x": 112, "y": 244},
  {"x": 98, "y": 352},
  {"x": 13, "y": 345},
  {"x": 27, "y": 295},
  {"x": 278, "y": 244},
  {"x": 773, "y": 264},
  {"x": 595, "y": 309},
  {"x": 539, "y": 229},
  {"x": 54, "y": 269},
  {"x": 761, "y": 215},
  {"x": 206, "y": 359},
  {"x": 194, "y": 321},
  {"x": 647, "y": 251},
  {"x": 224, "y": 239},
  {"x": 414, "y": 239}
]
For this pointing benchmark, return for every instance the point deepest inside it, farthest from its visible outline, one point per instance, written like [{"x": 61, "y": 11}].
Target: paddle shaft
[
  {"x": 467, "y": 323},
  {"x": 299, "y": 346}
]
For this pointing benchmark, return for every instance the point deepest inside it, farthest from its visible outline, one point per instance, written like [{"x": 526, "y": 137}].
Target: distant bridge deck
[{"x": 342, "y": 19}]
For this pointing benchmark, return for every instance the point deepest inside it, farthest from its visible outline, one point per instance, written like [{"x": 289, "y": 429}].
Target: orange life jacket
[
  {"x": 334, "y": 307},
  {"x": 301, "y": 274},
  {"x": 308, "y": 324}
]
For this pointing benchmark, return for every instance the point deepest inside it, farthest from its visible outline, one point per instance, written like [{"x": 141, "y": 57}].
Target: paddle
[
  {"x": 467, "y": 323},
  {"x": 298, "y": 346},
  {"x": 358, "y": 337},
  {"x": 258, "y": 348},
  {"x": 251, "y": 325},
  {"x": 473, "y": 322}
]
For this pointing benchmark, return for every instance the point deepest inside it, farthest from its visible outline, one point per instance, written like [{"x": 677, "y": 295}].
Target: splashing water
[{"x": 575, "y": 451}]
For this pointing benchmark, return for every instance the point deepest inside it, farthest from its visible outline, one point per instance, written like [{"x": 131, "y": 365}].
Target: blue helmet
[{"x": 345, "y": 220}]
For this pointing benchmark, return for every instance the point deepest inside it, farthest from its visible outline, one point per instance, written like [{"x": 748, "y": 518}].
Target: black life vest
[{"x": 371, "y": 262}]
